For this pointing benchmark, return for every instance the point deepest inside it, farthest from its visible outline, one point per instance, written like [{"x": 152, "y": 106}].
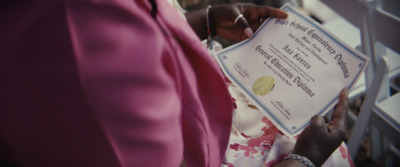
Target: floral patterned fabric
[{"x": 256, "y": 142}]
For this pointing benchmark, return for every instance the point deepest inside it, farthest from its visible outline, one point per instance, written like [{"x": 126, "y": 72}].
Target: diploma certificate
[{"x": 292, "y": 69}]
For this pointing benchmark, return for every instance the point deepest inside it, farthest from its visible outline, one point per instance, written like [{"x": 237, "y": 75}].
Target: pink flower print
[
  {"x": 265, "y": 148},
  {"x": 267, "y": 121},
  {"x": 227, "y": 80},
  {"x": 343, "y": 152},
  {"x": 234, "y": 105},
  {"x": 267, "y": 138},
  {"x": 234, "y": 147},
  {"x": 244, "y": 135},
  {"x": 270, "y": 130},
  {"x": 271, "y": 163},
  {"x": 270, "y": 127},
  {"x": 248, "y": 151},
  {"x": 351, "y": 162},
  {"x": 345, "y": 155},
  {"x": 259, "y": 144}
]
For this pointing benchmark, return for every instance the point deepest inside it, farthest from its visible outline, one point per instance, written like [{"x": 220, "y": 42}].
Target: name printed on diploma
[{"x": 292, "y": 69}]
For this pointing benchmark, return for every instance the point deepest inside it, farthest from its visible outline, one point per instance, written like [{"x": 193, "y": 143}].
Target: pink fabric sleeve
[
  {"x": 102, "y": 83},
  {"x": 123, "y": 64}
]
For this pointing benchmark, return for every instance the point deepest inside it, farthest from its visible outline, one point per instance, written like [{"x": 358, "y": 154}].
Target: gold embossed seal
[{"x": 263, "y": 85}]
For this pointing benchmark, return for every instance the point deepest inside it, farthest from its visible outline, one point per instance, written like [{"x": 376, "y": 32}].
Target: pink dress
[{"x": 101, "y": 83}]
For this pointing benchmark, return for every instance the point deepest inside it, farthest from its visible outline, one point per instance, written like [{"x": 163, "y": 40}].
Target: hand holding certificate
[{"x": 292, "y": 69}]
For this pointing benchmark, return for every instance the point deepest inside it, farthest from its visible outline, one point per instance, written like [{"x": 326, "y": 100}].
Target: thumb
[{"x": 317, "y": 121}]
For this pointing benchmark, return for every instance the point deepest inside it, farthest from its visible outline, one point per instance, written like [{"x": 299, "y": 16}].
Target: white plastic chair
[
  {"x": 379, "y": 32},
  {"x": 380, "y": 112},
  {"x": 377, "y": 112},
  {"x": 345, "y": 25}
]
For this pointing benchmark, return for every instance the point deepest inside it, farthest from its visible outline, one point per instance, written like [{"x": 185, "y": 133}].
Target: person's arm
[
  {"x": 198, "y": 21},
  {"x": 222, "y": 20},
  {"x": 321, "y": 138},
  {"x": 121, "y": 57}
]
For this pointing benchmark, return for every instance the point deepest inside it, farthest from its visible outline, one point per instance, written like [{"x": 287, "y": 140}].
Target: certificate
[{"x": 292, "y": 69}]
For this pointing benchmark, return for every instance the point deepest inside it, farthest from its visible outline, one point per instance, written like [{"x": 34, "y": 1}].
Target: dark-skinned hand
[
  {"x": 222, "y": 19},
  {"x": 318, "y": 141}
]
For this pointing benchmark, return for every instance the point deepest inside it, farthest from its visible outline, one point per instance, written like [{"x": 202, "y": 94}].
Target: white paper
[{"x": 309, "y": 67}]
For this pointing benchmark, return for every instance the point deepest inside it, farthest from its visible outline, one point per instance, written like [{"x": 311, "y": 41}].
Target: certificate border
[{"x": 287, "y": 7}]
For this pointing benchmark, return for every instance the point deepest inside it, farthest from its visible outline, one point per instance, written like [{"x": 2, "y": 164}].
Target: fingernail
[
  {"x": 344, "y": 92},
  {"x": 249, "y": 32},
  {"x": 284, "y": 15}
]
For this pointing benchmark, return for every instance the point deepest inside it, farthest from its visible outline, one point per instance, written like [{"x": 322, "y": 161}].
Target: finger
[
  {"x": 242, "y": 21},
  {"x": 340, "y": 113},
  {"x": 267, "y": 11},
  {"x": 326, "y": 119},
  {"x": 317, "y": 121},
  {"x": 246, "y": 27}
]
